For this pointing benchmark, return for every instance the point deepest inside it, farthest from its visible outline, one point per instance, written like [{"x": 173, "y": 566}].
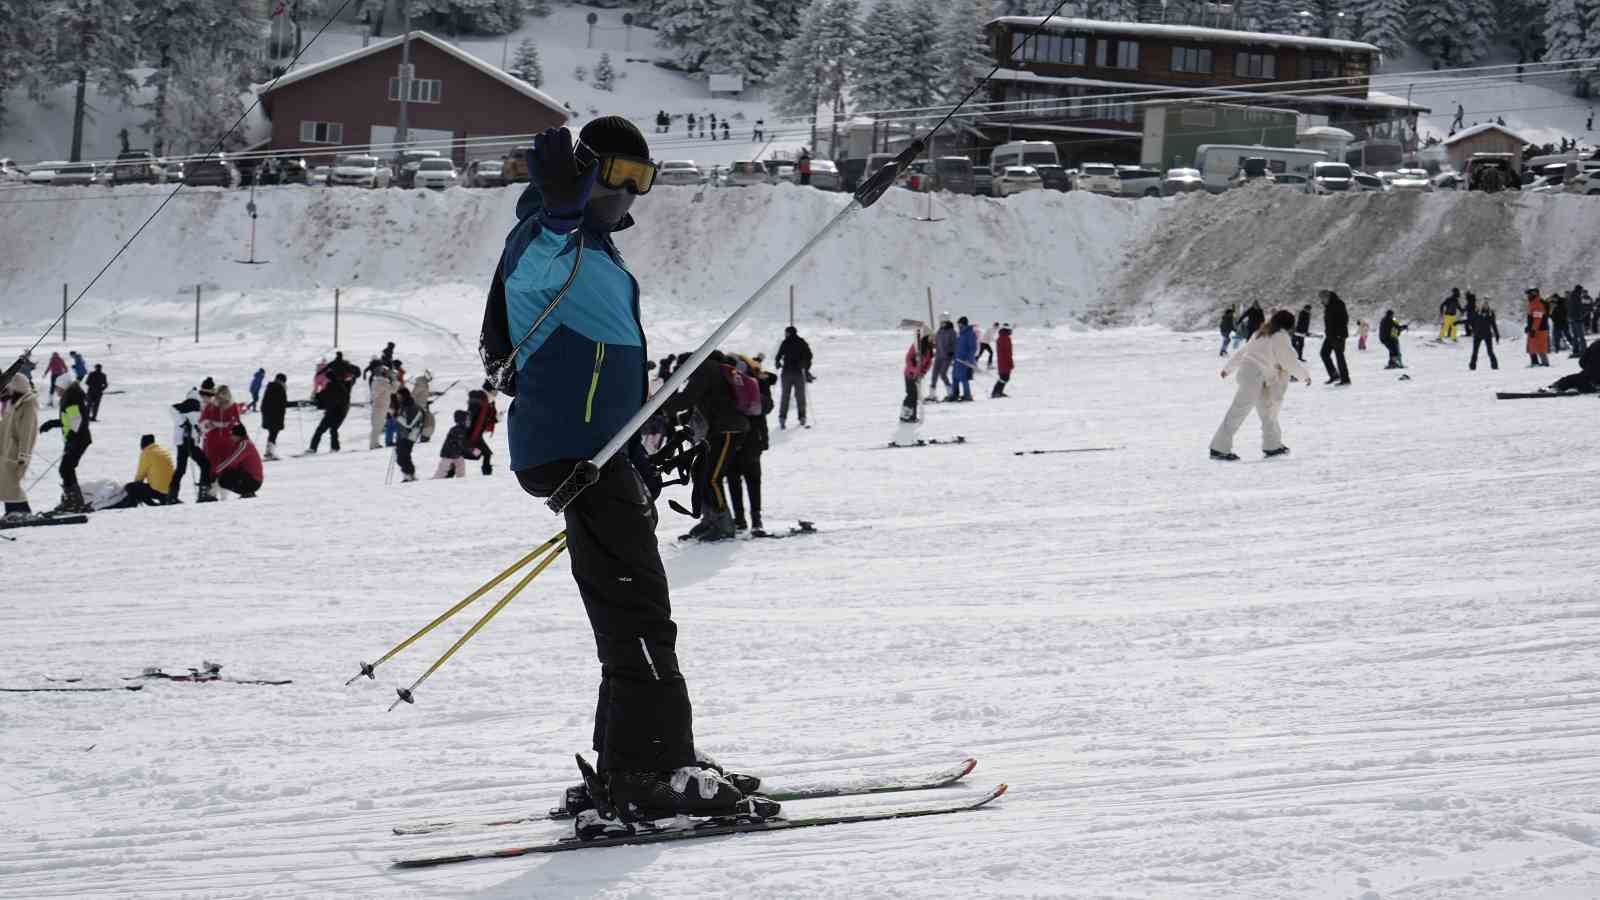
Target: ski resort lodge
[
  {"x": 1094, "y": 88},
  {"x": 352, "y": 101}
]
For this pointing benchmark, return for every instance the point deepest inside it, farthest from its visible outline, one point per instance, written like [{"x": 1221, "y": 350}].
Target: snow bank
[
  {"x": 1040, "y": 258},
  {"x": 1377, "y": 250}
]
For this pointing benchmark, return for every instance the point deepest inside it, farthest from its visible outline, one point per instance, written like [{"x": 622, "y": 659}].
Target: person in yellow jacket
[
  {"x": 19, "y": 430},
  {"x": 152, "y": 479}
]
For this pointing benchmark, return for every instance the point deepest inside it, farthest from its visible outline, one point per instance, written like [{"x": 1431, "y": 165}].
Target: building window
[
  {"x": 1321, "y": 67},
  {"x": 1255, "y": 65},
  {"x": 1198, "y": 118},
  {"x": 1115, "y": 54},
  {"x": 1051, "y": 48},
  {"x": 423, "y": 90},
  {"x": 1191, "y": 59},
  {"x": 321, "y": 133}
]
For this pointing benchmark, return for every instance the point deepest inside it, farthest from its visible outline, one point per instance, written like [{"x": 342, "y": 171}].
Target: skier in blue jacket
[
  {"x": 562, "y": 334},
  {"x": 966, "y": 361}
]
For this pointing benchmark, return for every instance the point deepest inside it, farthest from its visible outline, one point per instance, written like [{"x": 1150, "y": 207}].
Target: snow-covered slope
[
  {"x": 1355, "y": 673},
  {"x": 1541, "y": 108},
  {"x": 1378, "y": 251}
]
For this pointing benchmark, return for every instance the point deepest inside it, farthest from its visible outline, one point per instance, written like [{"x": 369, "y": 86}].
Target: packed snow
[{"x": 1366, "y": 670}]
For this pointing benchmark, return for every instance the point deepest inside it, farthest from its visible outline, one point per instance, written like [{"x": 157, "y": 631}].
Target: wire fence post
[
  {"x": 63, "y": 312},
  {"x": 791, "y": 306},
  {"x": 336, "y": 318},
  {"x": 197, "y": 314}
]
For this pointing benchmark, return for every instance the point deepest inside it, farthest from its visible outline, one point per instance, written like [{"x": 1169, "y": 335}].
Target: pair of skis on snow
[{"x": 691, "y": 827}]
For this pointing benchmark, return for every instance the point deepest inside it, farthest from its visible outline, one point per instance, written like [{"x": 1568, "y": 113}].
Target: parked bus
[
  {"x": 1024, "y": 153},
  {"x": 1218, "y": 163}
]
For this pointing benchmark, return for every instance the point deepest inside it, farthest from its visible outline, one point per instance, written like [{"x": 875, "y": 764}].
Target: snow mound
[
  {"x": 1040, "y": 258},
  {"x": 1399, "y": 250}
]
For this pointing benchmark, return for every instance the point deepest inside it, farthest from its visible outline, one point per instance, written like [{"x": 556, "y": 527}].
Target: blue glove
[{"x": 565, "y": 191}]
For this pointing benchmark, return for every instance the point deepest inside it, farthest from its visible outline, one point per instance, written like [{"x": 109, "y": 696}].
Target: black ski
[
  {"x": 924, "y": 442},
  {"x": 865, "y": 786},
  {"x": 689, "y": 828},
  {"x": 803, "y": 527},
  {"x": 210, "y": 672},
  {"x": 1064, "y": 450},
  {"x": 44, "y": 519},
  {"x": 1536, "y": 395},
  {"x": 72, "y": 690}
]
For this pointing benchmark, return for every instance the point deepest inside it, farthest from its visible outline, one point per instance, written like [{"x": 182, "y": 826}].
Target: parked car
[
  {"x": 437, "y": 174},
  {"x": 1098, "y": 178},
  {"x": 211, "y": 172},
  {"x": 485, "y": 173},
  {"x": 1290, "y": 180},
  {"x": 1054, "y": 178},
  {"x": 983, "y": 181},
  {"x": 679, "y": 172},
  {"x": 359, "y": 170},
  {"x": 293, "y": 171},
  {"x": 136, "y": 167},
  {"x": 1480, "y": 163},
  {"x": 1545, "y": 184},
  {"x": 1330, "y": 178},
  {"x": 1447, "y": 181},
  {"x": 915, "y": 177},
  {"x": 252, "y": 168},
  {"x": 44, "y": 172},
  {"x": 1372, "y": 183},
  {"x": 409, "y": 163},
  {"x": 319, "y": 175},
  {"x": 1183, "y": 181},
  {"x": 744, "y": 174},
  {"x": 1583, "y": 177},
  {"x": 1137, "y": 182},
  {"x": 955, "y": 175},
  {"x": 74, "y": 175},
  {"x": 171, "y": 171},
  {"x": 782, "y": 170},
  {"x": 1016, "y": 179},
  {"x": 9, "y": 171},
  {"x": 1410, "y": 180},
  {"x": 1251, "y": 169},
  {"x": 825, "y": 175},
  {"x": 853, "y": 170}
]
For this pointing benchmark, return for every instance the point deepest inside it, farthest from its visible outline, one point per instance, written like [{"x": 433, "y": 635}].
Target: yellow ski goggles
[{"x": 618, "y": 172}]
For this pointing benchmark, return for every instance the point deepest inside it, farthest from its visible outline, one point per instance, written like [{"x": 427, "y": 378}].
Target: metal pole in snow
[
  {"x": 335, "y": 318},
  {"x": 63, "y": 312},
  {"x": 197, "y": 314},
  {"x": 791, "y": 305}
]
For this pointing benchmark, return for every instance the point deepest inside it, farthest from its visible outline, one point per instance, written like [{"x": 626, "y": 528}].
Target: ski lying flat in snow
[
  {"x": 686, "y": 828},
  {"x": 44, "y": 519},
  {"x": 892, "y": 784},
  {"x": 72, "y": 690},
  {"x": 925, "y": 442},
  {"x": 1503, "y": 395},
  {"x": 1064, "y": 450}
]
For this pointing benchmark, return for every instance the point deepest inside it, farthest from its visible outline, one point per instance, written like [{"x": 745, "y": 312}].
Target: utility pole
[{"x": 400, "y": 135}]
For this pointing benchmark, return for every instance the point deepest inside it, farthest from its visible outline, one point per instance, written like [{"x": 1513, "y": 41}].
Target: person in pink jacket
[
  {"x": 1264, "y": 367},
  {"x": 919, "y": 359}
]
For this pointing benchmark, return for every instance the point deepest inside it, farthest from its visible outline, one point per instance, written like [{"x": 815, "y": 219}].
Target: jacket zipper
[{"x": 594, "y": 381}]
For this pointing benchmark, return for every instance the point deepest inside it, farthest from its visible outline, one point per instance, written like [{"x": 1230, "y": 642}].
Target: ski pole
[
  {"x": 587, "y": 472},
  {"x": 48, "y": 466},
  {"x": 368, "y": 669},
  {"x": 406, "y": 692},
  {"x": 388, "y": 475}
]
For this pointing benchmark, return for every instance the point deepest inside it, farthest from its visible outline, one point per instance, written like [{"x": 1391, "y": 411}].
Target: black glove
[
  {"x": 565, "y": 190},
  {"x": 809, "y": 377},
  {"x": 239, "y": 432},
  {"x": 53, "y": 423}
]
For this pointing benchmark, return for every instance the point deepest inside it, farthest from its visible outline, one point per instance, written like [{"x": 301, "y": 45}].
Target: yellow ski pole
[
  {"x": 406, "y": 692},
  {"x": 368, "y": 669}
]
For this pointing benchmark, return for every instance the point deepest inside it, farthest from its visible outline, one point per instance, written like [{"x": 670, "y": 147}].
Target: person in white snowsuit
[
  {"x": 422, "y": 395},
  {"x": 19, "y": 430},
  {"x": 1263, "y": 367},
  {"x": 383, "y": 387}
]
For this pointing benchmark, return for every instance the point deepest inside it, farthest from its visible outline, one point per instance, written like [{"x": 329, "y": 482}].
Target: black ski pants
[
  {"x": 186, "y": 452},
  {"x": 402, "y": 455},
  {"x": 484, "y": 453},
  {"x": 746, "y": 468},
  {"x": 331, "y": 420},
  {"x": 94, "y": 404},
  {"x": 1487, "y": 342},
  {"x": 238, "y": 482},
  {"x": 643, "y": 720},
  {"x": 1298, "y": 342},
  {"x": 137, "y": 493},
  {"x": 71, "y": 455},
  {"x": 1394, "y": 354},
  {"x": 1333, "y": 349},
  {"x": 910, "y": 402}
]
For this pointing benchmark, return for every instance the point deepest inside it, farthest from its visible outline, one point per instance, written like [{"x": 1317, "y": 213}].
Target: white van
[
  {"x": 1024, "y": 153},
  {"x": 1218, "y": 163}
]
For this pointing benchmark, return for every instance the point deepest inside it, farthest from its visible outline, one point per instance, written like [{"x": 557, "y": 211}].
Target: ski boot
[
  {"x": 207, "y": 495},
  {"x": 720, "y": 527},
  {"x": 687, "y": 791}
]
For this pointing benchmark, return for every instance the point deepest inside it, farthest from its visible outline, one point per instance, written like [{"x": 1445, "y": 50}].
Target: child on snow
[
  {"x": 1362, "y": 328},
  {"x": 453, "y": 452}
]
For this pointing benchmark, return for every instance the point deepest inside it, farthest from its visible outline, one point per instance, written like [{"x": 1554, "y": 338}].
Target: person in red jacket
[
  {"x": 1538, "y": 330},
  {"x": 1002, "y": 346},
  {"x": 919, "y": 359},
  {"x": 235, "y": 462}
]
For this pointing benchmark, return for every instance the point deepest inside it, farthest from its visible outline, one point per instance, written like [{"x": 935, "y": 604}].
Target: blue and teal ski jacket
[{"x": 581, "y": 374}]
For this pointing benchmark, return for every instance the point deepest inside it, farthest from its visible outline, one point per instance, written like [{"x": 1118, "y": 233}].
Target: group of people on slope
[
  {"x": 1561, "y": 321},
  {"x": 952, "y": 354},
  {"x": 76, "y": 407},
  {"x": 1335, "y": 328}
]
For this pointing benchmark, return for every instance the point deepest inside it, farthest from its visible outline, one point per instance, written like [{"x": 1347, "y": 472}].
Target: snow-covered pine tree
[
  {"x": 206, "y": 102},
  {"x": 1111, "y": 10},
  {"x": 878, "y": 70},
  {"x": 21, "y": 49},
  {"x": 605, "y": 77},
  {"x": 743, "y": 38},
  {"x": 838, "y": 42},
  {"x": 1478, "y": 32},
  {"x": 917, "y": 86},
  {"x": 170, "y": 30},
  {"x": 94, "y": 44},
  {"x": 539, "y": 8},
  {"x": 525, "y": 64},
  {"x": 681, "y": 26},
  {"x": 1386, "y": 23},
  {"x": 798, "y": 82},
  {"x": 1590, "y": 48},
  {"x": 964, "y": 56},
  {"x": 1436, "y": 29}
]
